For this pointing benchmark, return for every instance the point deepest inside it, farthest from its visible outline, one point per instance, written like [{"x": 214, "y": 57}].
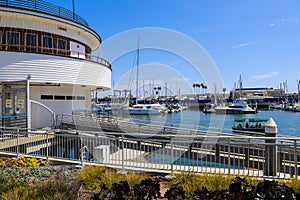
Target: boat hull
[
  {"x": 144, "y": 112},
  {"x": 236, "y": 129},
  {"x": 232, "y": 111}
]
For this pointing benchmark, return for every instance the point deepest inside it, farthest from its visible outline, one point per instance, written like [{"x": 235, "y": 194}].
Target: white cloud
[
  {"x": 282, "y": 22},
  {"x": 243, "y": 44},
  {"x": 265, "y": 76}
]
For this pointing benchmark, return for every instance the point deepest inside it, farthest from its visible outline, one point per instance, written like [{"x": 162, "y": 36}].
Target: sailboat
[{"x": 144, "y": 109}]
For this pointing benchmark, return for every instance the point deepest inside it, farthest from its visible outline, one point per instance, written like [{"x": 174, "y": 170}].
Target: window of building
[
  {"x": 58, "y": 97},
  {"x": 31, "y": 41},
  {"x": 80, "y": 98},
  {"x": 47, "y": 44},
  {"x": 47, "y": 97},
  {"x": 13, "y": 40},
  {"x": 70, "y": 98},
  {"x": 61, "y": 46}
]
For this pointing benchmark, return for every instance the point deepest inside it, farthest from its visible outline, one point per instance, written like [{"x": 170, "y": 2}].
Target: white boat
[
  {"x": 238, "y": 107},
  {"x": 146, "y": 109},
  {"x": 175, "y": 108},
  {"x": 143, "y": 109},
  {"x": 209, "y": 108}
]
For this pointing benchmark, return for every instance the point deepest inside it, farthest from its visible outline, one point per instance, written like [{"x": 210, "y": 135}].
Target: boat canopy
[{"x": 251, "y": 119}]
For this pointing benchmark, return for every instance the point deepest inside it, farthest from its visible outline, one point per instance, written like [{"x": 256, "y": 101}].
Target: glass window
[
  {"x": 62, "y": 47},
  {"x": 58, "y": 97},
  {"x": 48, "y": 97},
  {"x": 80, "y": 97},
  {"x": 70, "y": 97},
  {"x": 31, "y": 41},
  {"x": 47, "y": 44},
  {"x": 13, "y": 40}
]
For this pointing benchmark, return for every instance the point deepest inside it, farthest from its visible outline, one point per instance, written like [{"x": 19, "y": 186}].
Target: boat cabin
[{"x": 249, "y": 124}]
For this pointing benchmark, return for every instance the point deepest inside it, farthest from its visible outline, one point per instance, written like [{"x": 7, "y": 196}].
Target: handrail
[
  {"x": 44, "y": 7},
  {"x": 56, "y": 52}
]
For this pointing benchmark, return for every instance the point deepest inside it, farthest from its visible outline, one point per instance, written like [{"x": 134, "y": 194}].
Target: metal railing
[
  {"x": 271, "y": 157},
  {"x": 44, "y": 7},
  {"x": 56, "y": 52},
  {"x": 41, "y": 115}
]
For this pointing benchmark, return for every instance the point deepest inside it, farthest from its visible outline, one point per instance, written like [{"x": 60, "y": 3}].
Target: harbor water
[{"x": 288, "y": 122}]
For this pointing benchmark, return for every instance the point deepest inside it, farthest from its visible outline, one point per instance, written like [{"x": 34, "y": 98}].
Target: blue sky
[{"x": 259, "y": 40}]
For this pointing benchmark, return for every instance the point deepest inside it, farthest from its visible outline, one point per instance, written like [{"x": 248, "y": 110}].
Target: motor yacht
[{"x": 238, "y": 107}]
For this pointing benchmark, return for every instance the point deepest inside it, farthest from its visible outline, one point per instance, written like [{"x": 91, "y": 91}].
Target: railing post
[
  {"x": 295, "y": 159},
  {"x": 217, "y": 151},
  {"x": 123, "y": 168},
  {"x": 81, "y": 144},
  {"x": 270, "y": 149},
  {"x": 47, "y": 146},
  {"x": 18, "y": 131},
  {"x": 172, "y": 170},
  {"x": 229, "y": 161},
  {"x": 53, "y": 121}
]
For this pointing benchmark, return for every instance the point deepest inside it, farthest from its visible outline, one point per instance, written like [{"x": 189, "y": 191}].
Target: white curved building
[{"x": 46, "y": 63}]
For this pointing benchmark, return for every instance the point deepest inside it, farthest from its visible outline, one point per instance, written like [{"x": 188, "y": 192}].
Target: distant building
[{"x": 256, "y": 92}]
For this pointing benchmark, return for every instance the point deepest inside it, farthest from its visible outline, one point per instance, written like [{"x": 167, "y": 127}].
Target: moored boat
[
  {"x": 209, "y": 108},
  {"x": 147, "y": 109},
  {"x": 249, "y": 124},
  {"x": 238, "y": 107}
]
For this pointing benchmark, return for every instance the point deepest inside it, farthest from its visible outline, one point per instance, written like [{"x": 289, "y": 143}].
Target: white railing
[
  {"x": 41, "y": 115},
  {"x": 270, "y": 157}
]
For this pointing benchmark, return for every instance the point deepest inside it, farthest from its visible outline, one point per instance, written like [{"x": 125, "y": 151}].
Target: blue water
[{"x": 288, "y": 122}]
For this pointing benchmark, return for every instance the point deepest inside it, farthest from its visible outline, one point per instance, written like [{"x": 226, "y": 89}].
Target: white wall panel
[
  {"x": 45, "y": 68},
  {"x": 62, "y": 106}
]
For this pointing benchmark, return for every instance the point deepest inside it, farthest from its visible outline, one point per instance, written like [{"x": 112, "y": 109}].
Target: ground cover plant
[
  {"x": 95, "y": 182},
  {"x": 22, "y": 162}
]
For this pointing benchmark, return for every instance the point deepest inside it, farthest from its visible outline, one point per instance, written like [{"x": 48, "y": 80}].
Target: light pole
[{"x": 73, "y": 6}]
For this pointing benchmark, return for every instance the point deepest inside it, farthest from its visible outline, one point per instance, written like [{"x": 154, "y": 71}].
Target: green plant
[
  {"x": 134, "y": 179},
  {"x": 295, "y": 184},
  {"x": 23, "y": 162},
  {"x": 19, "y": 192},
  {"x": 91, "y": 177},
  {"x": 191, "y": 182},
  {"x": 188, "y": 181},
  {"x": 215, "y": 182},
  {"x": 110, "y": 177}
]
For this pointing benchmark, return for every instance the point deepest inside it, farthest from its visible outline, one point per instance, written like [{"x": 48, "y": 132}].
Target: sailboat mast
[
  {"x": 137, "y": 71},
  {"x": 241, "y": 85}
]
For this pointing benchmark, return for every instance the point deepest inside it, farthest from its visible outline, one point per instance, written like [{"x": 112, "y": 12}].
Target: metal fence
[
  {"x": 41, "y": 115},
  {"x": 44, "y": 7},
  {"x": 271, "y": 157}
]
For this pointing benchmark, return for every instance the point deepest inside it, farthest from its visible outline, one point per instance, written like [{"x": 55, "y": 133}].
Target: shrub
[
  {"x": 23, "y": 162},
  {"x": 134, "y": 178},
  {"x": 91, "y": 177}
]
